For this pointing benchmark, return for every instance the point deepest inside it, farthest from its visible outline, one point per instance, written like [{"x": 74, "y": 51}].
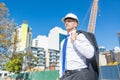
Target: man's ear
[{"x": 76, "y": 25}]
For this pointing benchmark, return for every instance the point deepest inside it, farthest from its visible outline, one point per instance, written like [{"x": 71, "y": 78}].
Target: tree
[
  {"x": 9, "y": 58},
  {"x": 16, "y": 58},
  {"x": 15, "y": 62},
  {"x": 6, "y": 31},
  {"x": 14, "y": 65}
]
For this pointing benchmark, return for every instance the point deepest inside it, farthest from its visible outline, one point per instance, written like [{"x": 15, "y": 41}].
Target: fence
[
  {"x": 110, "y": 72},
  {"x": 42, "y": 75},
  {"x": 106, "y": 73}
]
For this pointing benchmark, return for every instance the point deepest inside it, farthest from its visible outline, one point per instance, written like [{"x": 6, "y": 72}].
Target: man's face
[{"x": 70, "y": 24}]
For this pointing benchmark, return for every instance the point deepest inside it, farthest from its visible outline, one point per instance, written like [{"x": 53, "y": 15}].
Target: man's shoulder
[
  {"x": 87, "y": 34},
  {"x": 84, "y": 32}
]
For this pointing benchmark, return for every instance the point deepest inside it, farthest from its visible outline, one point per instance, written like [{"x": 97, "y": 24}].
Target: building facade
[
  {"x": 54, "y": 56},
  {"x": 24, "y": 37},
  {"x": 51, "y": 45},
  {"x": 39, "y": 53}
]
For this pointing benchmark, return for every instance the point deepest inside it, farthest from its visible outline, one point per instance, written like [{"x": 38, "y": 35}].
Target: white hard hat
[{"x": 71, "y": 16}]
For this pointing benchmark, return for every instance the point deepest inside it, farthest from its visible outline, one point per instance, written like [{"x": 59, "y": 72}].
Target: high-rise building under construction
[{"x": 119, "y": 38}]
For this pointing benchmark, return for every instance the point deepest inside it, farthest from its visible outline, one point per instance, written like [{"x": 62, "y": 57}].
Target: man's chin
[{"x": 68, "y": 28}]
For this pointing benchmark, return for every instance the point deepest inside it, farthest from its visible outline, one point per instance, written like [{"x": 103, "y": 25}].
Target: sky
[{"x": 43, "y": 15}]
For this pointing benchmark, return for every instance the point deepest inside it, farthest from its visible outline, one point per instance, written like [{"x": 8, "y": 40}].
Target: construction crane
[{"x": 93, "y": 16}]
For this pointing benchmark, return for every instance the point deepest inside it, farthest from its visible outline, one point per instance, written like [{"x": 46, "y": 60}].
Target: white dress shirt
[{"x": 77, "y": 52}]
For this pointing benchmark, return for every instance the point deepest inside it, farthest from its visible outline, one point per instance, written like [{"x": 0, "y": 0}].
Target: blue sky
[{"x": 43, "y": 15}]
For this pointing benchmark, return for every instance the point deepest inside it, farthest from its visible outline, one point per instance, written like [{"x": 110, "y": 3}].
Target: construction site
[{"x": 109, "y": 60}]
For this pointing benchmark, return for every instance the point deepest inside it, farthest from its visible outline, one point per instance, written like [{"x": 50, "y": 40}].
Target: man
[{"x": 75, "y": 49}]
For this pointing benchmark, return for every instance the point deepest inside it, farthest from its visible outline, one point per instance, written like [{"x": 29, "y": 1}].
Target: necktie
[{"x": 64, "y": 54}]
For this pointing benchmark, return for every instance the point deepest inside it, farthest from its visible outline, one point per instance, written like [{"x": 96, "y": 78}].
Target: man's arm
[{"x": 82, "y": 44}]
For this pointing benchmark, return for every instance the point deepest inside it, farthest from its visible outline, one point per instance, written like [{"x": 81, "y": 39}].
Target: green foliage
[
  {"x": 15, "y": 62},
  {"x": 14, "y": 65}
]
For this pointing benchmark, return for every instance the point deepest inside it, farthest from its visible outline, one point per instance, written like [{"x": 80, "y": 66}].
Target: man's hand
[{"x": 74, "y": 36}]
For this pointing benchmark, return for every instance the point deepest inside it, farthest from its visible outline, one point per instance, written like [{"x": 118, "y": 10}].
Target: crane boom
[{"x": 93, "y": 16}]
